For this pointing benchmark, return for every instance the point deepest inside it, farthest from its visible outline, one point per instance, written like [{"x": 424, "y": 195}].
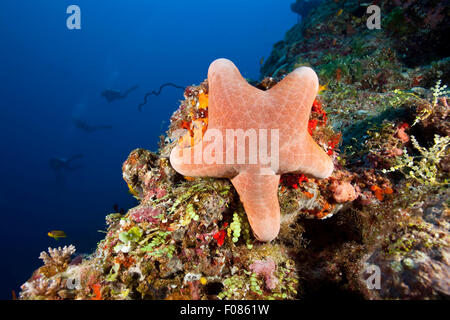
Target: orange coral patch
[
  {"x": 96, "y": 288},
  {"x": 326, "y": 210},
  {"x": 308, "y": 194},
  {"x": 379, "y": 193},
  {"x": 203, "y": 100},
  {"x": 124, "y": 261},
  {"x": 194, "y": 134}
]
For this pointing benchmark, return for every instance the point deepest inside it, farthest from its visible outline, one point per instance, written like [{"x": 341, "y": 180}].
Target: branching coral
[
  {"x": 43, "y": 284},
  {"x": 56, "y": 260},
  {"x": 40, "y": 288},
  {"x": 438, "y": 92},
  {"x": 423, "y": 169}
]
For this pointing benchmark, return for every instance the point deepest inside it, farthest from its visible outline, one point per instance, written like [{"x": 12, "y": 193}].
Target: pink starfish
[{"x": 235, "y": 104}]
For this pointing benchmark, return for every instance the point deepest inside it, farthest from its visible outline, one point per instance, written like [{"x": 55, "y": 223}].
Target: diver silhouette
[
  {"x": 110, "y": 95},
  {"x": 80, "y": 124},
  {"x": 59, "y": 164}
]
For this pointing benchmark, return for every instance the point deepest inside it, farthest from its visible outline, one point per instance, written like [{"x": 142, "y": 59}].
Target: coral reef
[
  {"x": 383, "y": 215},
  {"x": 46, "y": 281}
]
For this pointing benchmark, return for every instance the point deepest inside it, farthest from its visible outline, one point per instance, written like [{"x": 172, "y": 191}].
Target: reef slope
[{"x": 383, "y": 119}]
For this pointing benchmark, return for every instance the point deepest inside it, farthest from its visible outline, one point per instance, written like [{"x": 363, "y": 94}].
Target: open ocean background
[{"x": 51, "y": 76}]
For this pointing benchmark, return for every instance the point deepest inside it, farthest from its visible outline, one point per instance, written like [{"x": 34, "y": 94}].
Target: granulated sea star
[{"x": 284, "y": 112}]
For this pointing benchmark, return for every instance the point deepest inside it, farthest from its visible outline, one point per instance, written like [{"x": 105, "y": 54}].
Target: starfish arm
[
  {"x": 187, "y": 162},
  {"x": 296, "y": 93},
  {"x": 259, "y": 195},
  {"x": 228, "y": 93},
  {"x": 307, "y": 158}
]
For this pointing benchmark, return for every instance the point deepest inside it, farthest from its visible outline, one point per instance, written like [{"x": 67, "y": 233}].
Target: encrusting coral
[{"x": 381, "y": 121}]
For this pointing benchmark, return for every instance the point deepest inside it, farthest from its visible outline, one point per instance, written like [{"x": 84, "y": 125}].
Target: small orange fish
[
  {"x": 261, "y": 62},
  {"x": 339, "y": 12},
  {"x": 56, "y": 234},
  {"x": 132, "y": 191},
  {"x": 189, "y": 178}
]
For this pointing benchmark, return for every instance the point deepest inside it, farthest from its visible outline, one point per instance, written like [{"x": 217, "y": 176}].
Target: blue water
[{"x": 50, "y": 76}]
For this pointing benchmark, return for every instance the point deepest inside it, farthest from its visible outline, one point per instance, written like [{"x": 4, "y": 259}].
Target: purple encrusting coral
[
  {"x": 383, "y": 118},
  {"x": 266, "y": 268},
  {"x": 145, "y": 214}
]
